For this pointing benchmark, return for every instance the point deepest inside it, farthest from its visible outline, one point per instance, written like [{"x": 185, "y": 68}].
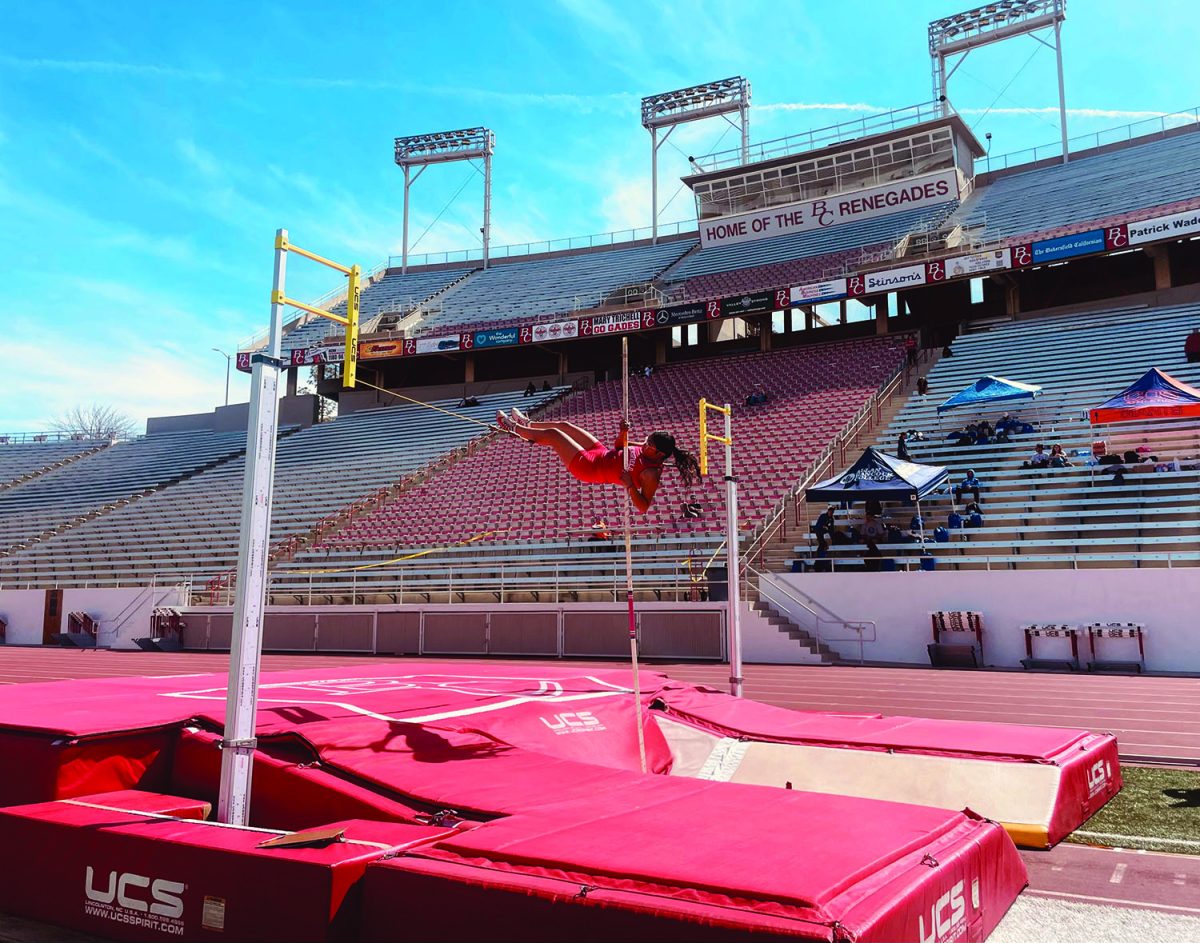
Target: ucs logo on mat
[
  {"x": 948, "y": 915},
  {"x": 135, "y": 900},
  {"x": 573, "y": 722}
]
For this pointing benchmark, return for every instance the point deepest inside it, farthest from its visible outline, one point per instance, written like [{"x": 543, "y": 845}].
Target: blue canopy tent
[
  {"x": 989, "y": 390},
  {"x": 882, "y": 477}
]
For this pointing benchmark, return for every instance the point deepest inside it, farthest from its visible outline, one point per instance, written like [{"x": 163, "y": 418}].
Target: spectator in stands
[
  {"x": 590, "y": 461},
  {"x": 922, "y": 386},
  {"x": 969, "y": 485},
  {"x": 964, "y": 435},
  {"x": 468, "y": 401},
  {"x": 824, "y": 529},
  {"x": 1058, "y": 458},
  {"x": 648, "y": 371},
  {"x": 599, "y": 530},
  {"x": 692, "y": 509},
  {"x": 1039, "y": 458},
  {"x": 531, "y": 389},
  {"x": 546, "y": 387},
  {"x": 902, "y": 452},
  {"x": 947, "y": 352},
  {"x": 1191, "y": 346},
  {"x": 757, "y": 397},
  {"x": 910, "y": 351}
]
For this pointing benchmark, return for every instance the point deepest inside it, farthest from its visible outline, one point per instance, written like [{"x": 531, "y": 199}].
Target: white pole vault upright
[
  {"x": 732, "y": 540},
  {"x": 245, "y": 654},
  {"x": 627, "y": 515}
]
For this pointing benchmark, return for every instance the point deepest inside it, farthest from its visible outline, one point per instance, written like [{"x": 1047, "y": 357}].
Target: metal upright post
[
  {"x": 404, "y": 238},
  {"x": 734, "y": 563},
  {"x": 238, "y": 743},
  {"x": 487, "y": 206},
  {"x": 1062, "y": 95},
  {"x": 654, "y": 186}
]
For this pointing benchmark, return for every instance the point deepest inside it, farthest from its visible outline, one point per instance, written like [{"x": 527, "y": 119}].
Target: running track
[{"x": 1153, "y": 718}]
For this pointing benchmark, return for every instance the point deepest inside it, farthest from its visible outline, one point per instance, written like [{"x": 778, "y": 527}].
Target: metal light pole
[{"x": 228, "y": 361}]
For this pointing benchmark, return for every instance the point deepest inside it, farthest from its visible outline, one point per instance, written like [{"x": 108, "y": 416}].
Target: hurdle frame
[
  {"x": 733, "y": 554},
  {"x": 238, "y": 742}
]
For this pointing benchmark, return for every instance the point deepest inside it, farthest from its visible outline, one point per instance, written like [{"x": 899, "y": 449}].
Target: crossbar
[
  {"x": 282, "y": 243},
  {"x": 279, "y": 298}
]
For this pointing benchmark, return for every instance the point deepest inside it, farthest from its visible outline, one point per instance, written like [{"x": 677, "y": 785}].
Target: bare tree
[{"x": 94, "y": 422}]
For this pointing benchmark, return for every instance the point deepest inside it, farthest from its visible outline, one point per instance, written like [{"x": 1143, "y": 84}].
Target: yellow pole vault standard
[
  {"x": 731, "y": 538},
  {"x": 353, "y": 274}
]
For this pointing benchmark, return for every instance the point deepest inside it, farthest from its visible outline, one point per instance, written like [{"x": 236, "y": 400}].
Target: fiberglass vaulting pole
[
  {"x": 633, "y": 645},
  {"x": 245, "y": 650}
]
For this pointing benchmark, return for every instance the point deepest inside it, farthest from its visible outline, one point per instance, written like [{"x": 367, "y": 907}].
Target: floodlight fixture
[
  {"x": 443, "y": 147},
  {"x": 695, "y": 103},
  {"x": 992, "y": 23}
]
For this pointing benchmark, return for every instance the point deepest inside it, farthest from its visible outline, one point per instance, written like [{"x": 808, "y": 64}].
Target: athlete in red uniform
[{"x": 592, "y": 462}]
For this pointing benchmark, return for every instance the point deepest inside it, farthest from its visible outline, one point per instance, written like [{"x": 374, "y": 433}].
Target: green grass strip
[{"x": 1156, "y": 809}]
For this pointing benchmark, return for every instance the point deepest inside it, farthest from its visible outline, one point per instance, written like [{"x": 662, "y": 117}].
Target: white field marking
[
  {"x": 1118, "y": 874},
  {"x": 1180, "y": 879},
  {"x": 1056, "y": 867},
  {"x": 1138, "y": 904},
  {"x": 608, "y": 684},
  {"x": 1186, "y": 842}
]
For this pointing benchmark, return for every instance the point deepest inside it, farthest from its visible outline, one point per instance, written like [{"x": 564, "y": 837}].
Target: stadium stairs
[
  {"x": 21, "y": 470},
  {"x": 1072, "y": 517}
]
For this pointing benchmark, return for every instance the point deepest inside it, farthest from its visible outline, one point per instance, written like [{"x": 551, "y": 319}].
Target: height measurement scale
[{"x": 245, "y": 651}]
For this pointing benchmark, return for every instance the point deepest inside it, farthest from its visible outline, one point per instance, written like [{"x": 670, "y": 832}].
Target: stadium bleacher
[
  {"x": 190, "y": 530},
  {"x": 22, "y": 459},
  {"x": 1062, "y": 517}
]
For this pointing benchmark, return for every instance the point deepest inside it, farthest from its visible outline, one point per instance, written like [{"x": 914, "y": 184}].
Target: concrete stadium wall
[
  {"x": 123, "y": 614},
  {"x": 1166, "y": 601}
]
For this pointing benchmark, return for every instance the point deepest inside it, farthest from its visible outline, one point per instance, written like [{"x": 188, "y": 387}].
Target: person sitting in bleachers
[
  {"x": 1058, "y": 458},
  {"x": 692, "y": 509},
  {"x": 1191, "y": 346},
  {"x": 756, "y": 398},
  {"x": 546, "y": 387},
  {"x": 922, "y": 386},
  {"x": 530, "y": 390},
  {"x": 902, "y": 452},
  {"x": 467, "y": 401},
  {"x": 964, "y": 436},
  {"x": 969, "y": 485},
  {"x": 824, "y": 529},
  {"x": 1039, "y": 459},
  {"x": 599, "y": 532}
]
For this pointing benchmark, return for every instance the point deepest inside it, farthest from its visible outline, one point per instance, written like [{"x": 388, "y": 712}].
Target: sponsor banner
[
  {"x": 975, "y": 264},
  {"x": 1063, "y": 247},
  {"x": 434, "y": 345},
  {"x": 1164, "y": 227},
  {"x": 502, "y": 337},
  {"x": 890, "y": 279},
  {"x": 378, "y": 350},
  {"x": 612, "y": 323},
  {"x": 760, "y": 302},
  {"x": 680, "y": 314},
  {"x": 554, "y": 331},
  {"x": 243, "y": 361},
  {"x": 818, "y": 291},
  {"x": 831, "y": 211},
  {"x": 316, "y": 355},
  {"x": 1116, "y": 237}
]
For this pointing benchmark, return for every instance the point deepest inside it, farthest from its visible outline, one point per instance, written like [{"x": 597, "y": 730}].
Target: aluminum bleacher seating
[
  {"x": 519, "y": 499},
  {"x": 190, "y": 530},
  {"x": 1076, "y": 516},
  {"x": 20, "y": 459}
]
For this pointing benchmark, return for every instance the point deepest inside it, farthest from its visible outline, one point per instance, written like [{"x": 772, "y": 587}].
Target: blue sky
[{"x": 148, "y": 151}]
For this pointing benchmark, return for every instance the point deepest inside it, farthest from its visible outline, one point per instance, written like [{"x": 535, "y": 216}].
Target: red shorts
[{"x": 598, "y": 465}]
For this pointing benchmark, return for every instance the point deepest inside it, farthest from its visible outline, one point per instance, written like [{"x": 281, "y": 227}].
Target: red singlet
[{"x": 601, "y": 465}]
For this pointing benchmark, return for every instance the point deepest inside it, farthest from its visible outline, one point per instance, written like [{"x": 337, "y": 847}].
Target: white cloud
[{"x": 109, "y": 67}]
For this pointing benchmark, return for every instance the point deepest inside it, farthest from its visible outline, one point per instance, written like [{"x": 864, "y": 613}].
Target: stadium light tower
[
  {"x": 992, "y": 23},
  {"x": 442, "y": 147},
  {"x": 710, "y": 100}
]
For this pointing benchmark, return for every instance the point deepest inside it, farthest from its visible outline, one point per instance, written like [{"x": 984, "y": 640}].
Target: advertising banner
[
  {"x": 434, "y": 345},
  {"x": 1164, "y": 227},
  {"x": 314, "y": 355},
  {"x": 555, "y": 331},
  {"x": 502, "y": 337},
  {"x": 831, "y": 211},
  {"x": 378, "y": 350},
  {"x": 888, "y": 280},
  {"x": 975, "y": 264},
  {"x": 680, "y": 314},
  {"x": 760, "y": 302},
  {"x": 613, "y": 323},
  {"x": 830, "y": 290},
  {"x": 1062, "y": 247},
  {"x": 243, "y": 361}
]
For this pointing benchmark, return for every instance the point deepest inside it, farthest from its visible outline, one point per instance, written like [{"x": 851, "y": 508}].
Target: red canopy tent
[{"x": 1155, "y": 395}]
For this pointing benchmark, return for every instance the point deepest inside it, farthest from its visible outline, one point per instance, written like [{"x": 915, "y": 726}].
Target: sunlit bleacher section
[
  {"x": 1089, "y": 188},
  {"x": 392, "y": 294},
  {"x": 62, "y": 498},
  {"x": 1078, "y": 516},
  {"x": 560, "y": 284},
  {"x": 792, "y": 259},
  {"x": 24, "y": 455},
  {"x": 190, "y": 531},
  {"x": 529, "y": 515}
]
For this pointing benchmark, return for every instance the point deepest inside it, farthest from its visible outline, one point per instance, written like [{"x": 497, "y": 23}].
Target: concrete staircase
[{"x": 793, "y": 645}]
